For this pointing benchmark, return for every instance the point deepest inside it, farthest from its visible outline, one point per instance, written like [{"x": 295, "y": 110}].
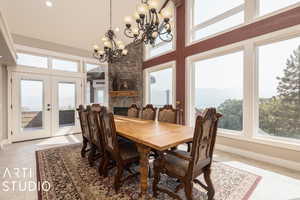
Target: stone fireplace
[{"x": 129, "y": 70}]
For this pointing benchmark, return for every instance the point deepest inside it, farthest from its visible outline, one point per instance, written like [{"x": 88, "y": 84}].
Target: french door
[{"x": 44, "y": 106}]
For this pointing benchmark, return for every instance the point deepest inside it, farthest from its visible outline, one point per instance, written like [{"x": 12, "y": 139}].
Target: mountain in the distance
[{"x": 207, "y": 97}]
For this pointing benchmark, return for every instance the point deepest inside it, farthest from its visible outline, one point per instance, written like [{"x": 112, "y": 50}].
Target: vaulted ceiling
[{"x": 74, "y": 23}]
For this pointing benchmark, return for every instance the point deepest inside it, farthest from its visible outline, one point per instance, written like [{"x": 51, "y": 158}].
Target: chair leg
[
  {"x": 104, "y": 165},
  {"x": 211, "y": 190},
  {"x": 92, "y": 155},
  {"x": 84, "y": 145},
  {"x": 118, "y": 178},
  {"x": 188, "y": 189},
  {"x": 156, "y": 181}
]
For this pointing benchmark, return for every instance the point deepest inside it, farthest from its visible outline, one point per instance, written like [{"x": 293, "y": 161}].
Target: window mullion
[
  {"x": 249, "y": 89},
  {"x": 251, "y": 10}
]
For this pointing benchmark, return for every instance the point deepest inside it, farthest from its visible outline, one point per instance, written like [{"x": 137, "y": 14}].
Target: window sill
[{"x": 271, "y": 141}]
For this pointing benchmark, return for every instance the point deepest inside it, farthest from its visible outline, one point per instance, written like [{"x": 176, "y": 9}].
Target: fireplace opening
[{"x": 120, "y": 111}]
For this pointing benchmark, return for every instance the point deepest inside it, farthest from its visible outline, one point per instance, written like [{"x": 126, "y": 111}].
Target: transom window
[
  {"x": 267, "y": 6},
  {"x": 30, "y": 60},
  {"x": 65, "y": 65},
  {"x": 209, "y": 19}
]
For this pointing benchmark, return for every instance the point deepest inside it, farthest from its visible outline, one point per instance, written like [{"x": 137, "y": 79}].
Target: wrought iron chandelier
[
  {"x": 151, "y": 23},
  {"x": 113, "y": 50}
]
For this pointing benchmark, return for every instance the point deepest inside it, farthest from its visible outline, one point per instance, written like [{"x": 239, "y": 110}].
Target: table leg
[{"x": 144, "y": 167}]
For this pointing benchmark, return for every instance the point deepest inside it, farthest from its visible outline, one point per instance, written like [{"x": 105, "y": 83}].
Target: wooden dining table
[{"x": 147, "y": 135}]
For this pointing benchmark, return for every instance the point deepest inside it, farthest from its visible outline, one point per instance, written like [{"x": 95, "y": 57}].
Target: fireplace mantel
[{"x": 130, "y": 93}]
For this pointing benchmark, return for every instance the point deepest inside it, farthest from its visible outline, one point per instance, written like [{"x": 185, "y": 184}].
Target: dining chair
[
  {"x": 97, "y": 145},
  {"x": 168, "y": 114},
  {"x": 123, "y": 153},
  {"x": 133, "y": 111},
  {"x": 187, "y": 166},
  {"x": 82, "y": 113},
  {"x": 149, "y": 112}
]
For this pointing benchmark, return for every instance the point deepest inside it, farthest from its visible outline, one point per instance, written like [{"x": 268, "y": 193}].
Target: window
[
  {"x": 90, "y": 67},
  {"x": 159, "y": 85},
  {"x": 32, "y": 60},
  {"x": 209, "y": 19},
  {"x": 100, "y": 95},
  {"x": 267, "y": 6},
  {"x": 218, "y": 82},
  {"x": 279, "y": 89},
  {"x": 65, "y": 65}
]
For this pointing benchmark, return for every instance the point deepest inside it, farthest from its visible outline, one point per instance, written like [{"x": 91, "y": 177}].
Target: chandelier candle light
[
  {"x": 113, "y": 50},
  {"x": 150, "y": 23}
]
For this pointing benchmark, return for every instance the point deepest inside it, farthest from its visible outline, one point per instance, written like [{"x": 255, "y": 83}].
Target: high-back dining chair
[
  {"x": 82, "y": 113},
  {"x": 168, "y": 114},
  {"x": 133, "y": 111},
  {"x": 95, "y": 136},
  {"x": 123, "y": 153},
  {"x": 149, "y": 112},
  {"x": 185, "y": 166}
]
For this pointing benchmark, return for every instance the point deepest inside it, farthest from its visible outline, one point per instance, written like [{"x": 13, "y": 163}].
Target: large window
[
  {"x": 218, "y": 82},
  {"x": 267, "y": 6},
  {"x": 209, "y": 19},
  {"x": 160, "y": 85},
  {"x": 279, "y": 89},
  {"x": 32, "y": 60}
]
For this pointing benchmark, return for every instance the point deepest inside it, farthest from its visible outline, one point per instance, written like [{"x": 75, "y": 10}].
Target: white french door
[
  {"x": 67, "y": 96},
  {"x": 44, "y": 106}
]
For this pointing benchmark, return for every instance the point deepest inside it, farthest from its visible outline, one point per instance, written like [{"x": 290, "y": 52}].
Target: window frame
[
  {"x": 251, "y": 84},
  {"x": 251, "y": 14},
  {"x": 146, "y": 73},
  {"x": 191, "y": 102}
]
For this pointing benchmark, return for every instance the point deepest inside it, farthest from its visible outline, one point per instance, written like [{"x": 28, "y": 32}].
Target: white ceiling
[{"x": 74, "y": 23}]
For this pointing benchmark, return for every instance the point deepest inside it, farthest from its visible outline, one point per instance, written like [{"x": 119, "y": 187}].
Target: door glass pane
[
  {"x": 219, "y": 84},
  {"x": 31, "y": 105},
  {"x": 65, "y": 65},
  {"x": 32, "y": 60},
  {"x": 100, "y": 95},
  {"x": 67, "y": 104},
  {"x": 161, "y": 87},
  {"x": 279, "y": 89}
]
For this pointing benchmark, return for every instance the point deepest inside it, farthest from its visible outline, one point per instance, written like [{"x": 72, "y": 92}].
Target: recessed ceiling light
[
  {"x": 1, "y": 56},
  {"x": 49, "y": 3}
]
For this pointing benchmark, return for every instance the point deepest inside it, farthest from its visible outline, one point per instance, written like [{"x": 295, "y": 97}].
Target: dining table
[{"x": 151, "y": 135}]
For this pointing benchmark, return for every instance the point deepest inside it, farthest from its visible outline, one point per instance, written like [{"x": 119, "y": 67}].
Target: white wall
[{"x": 3, "y": 103}]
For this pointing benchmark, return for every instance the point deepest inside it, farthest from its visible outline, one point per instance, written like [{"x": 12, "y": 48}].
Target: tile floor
[{"x": 277, "y": 183}]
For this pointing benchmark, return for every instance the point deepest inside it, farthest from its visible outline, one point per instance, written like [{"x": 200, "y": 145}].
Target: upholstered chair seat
[
  {"x": 128, "y": 151},
  {"x": 174, "y": 162}
]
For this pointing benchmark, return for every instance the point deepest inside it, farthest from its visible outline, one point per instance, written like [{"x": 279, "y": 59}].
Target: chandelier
[
  {"x": 150, "y": 23},
  {"x": 113, "y": 50}
]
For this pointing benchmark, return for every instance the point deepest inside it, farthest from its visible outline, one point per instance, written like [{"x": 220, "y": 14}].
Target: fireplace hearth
[{"x": 120, "y": 111}]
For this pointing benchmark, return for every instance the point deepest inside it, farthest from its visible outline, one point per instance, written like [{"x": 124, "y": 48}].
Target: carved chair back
[
  {"x": 109, "y": 134},
  {"x": 149, "y": 112},
  {"x": 204, "y": 138},
  {"x": 93, "y": 119},
  {"x": 133, "y": 111},
  {"x": 168, "y": 114},
  {"x": 82, "y": 113}
]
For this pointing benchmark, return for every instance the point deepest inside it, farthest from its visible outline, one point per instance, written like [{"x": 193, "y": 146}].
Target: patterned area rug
[{"x": 72, "y": 178}]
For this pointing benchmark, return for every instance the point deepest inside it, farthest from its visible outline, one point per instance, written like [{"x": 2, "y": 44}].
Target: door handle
[{"x": 49, "y": 107}]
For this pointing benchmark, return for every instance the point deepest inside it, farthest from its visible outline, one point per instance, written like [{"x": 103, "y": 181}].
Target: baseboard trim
[
  {"x": 260, "y": 157},
  {"x": 2, "y": 143}
]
